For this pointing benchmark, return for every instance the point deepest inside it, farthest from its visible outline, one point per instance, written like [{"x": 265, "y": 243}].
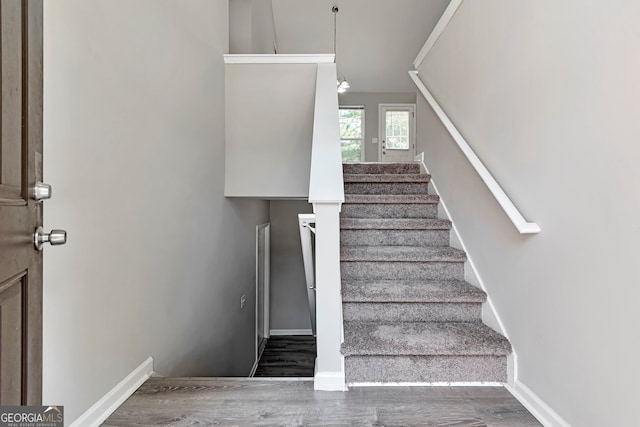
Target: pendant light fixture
[{"x": 342, "y": 83}]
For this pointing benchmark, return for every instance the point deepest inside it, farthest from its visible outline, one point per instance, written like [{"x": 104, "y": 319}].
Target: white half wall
[
  {"x": 547, "y": 94},
  {"x": 269, "y": 126},
  {"x": 157, "y": 259}
]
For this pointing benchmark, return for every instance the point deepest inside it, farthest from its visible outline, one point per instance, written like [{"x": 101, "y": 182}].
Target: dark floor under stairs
[
  {"x": 409, "y": 315},
  {"x": 287, "y": 356}
]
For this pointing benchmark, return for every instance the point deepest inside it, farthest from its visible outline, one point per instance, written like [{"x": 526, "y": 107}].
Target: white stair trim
[
  {"x": 100, "y": 411},
  {"x": 427, "y": 384}
]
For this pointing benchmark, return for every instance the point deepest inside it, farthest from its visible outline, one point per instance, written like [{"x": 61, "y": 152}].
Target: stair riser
[
  {"x": 386, "y": 188},
  {"x": 412, "y": 312},
  {"x": 394, "y": 237},
  {"x": 426, "y": 368},
  {"x": 402, "y": 270},
  {"x": 380, "y": 168},
  {"x": 350, "y": 210}
]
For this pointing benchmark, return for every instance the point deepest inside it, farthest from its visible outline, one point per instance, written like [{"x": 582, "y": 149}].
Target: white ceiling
[{"x": 377, "y": 39}]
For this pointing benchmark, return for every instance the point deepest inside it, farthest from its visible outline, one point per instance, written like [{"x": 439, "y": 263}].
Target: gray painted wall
[
  {"x": 251, "y": 27},
  {"x": 377, "y": 40},
  {"x": 547, "y": 94},
  {"x": 157, "y": 258},
  {"x": 269, "y": 127},
  {"x": 289, "y": 306},
  {"x": 371, "y": 101}
]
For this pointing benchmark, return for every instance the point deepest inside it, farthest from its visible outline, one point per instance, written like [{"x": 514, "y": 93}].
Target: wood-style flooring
[
  {"x": 248, "y": 402},
  {"x": 287, "y": 356}
]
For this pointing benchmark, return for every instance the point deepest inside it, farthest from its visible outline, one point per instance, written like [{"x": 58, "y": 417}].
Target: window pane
[
  {"x": 397, "y": 124},
  {"x": 351, "y": 123},
  {"x": 351, "y": 130},
  {"x": 351, "y": 150}
]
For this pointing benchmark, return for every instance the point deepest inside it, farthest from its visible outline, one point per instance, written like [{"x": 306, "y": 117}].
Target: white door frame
[
  {"x": 267, "y": 286},
  {"x": 382, "y": 130}
]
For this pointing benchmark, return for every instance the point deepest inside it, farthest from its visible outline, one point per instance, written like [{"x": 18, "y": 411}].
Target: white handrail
[
  {"x": 437, "y": 32},
  {"x": 523, "y": 226},
  {"x": 304, "y": 225}
]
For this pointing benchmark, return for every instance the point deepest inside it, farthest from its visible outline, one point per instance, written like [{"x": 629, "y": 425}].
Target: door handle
[
  {"x": 55, "y": 237},
  {"x": 41, "y": 191}
]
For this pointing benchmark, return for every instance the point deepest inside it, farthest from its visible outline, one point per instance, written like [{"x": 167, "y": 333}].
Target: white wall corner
[
  {"x": 534, "y": 404},
  {"x": 100, "y": 411}
]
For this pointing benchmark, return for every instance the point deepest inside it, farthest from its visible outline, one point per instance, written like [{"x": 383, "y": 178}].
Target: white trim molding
[
  {"x": 522, "y": 225},
  {"x": 538, "y": 408},
  {"x": 329, "y": 381},
  {"x": 437, "y": 32},
  {"x": 427, "y": 384},
  {"x": 104, "y": 407},
  {"x": 277, "y": 332},
  {"x": 279, "y": 59}
]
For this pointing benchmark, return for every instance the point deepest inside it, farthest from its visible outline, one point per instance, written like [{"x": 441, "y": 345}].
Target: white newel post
[
  {"x": 329, "y": 373},
  {"x": 326, "y": 192}
]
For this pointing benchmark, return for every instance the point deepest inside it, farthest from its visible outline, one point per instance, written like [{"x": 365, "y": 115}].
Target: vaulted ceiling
[{"x": 377, "y": 39}]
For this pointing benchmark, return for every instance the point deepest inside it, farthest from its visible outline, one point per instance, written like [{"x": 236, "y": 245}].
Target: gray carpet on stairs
[{"x": 409, "y": 316}]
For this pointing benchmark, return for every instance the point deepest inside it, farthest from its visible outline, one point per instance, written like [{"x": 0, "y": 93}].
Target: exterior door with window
[
  {"x": 397, "y": 132},
  {"x": 20, "y": 215}
]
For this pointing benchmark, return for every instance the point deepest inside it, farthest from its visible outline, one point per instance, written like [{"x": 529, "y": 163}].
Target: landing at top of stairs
[{"x": 384, "y": 168}]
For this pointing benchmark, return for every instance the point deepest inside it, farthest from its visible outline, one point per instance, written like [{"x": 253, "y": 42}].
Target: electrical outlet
[{"x": 243, "y": 301}]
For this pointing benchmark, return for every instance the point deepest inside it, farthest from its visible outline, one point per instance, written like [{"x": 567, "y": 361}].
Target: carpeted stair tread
[
  {"x": 422, "y": 339},
  {"x": 402, "y": 254},
  {"x": 381, "y": 168},
  {"x": 411, "y": 291},
  {"x": 392, "y": 199},
  {"x": 394, "y": 224},
  {"x": 386, "y": 177}
]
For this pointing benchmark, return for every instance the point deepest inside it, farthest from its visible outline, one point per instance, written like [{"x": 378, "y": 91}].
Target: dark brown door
[{"x": 20, "y": 168}]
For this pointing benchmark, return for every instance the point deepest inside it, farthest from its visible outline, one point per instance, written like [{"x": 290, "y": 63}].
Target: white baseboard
[
  {"x": 435, "y": 384},
  {"x": 538, "y": 408},
  {"x": 329, "y": 381},
  {"x": 290, "y": 332},
  {"x": 104, "y": 407}
]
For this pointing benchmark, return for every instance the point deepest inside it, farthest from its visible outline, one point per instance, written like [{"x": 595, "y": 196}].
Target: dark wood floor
[
  {"x": 247, "y": 402},
  {"x": 288, "y": 356}
]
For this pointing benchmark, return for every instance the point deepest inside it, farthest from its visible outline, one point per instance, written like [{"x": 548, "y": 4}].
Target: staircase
[{"x": 409, "y": 316}]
